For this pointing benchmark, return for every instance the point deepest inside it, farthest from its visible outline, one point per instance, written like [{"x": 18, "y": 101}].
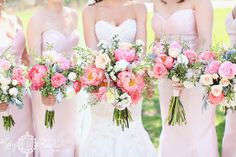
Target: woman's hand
[
  {"x": 177, "y": 86},
  {"x": 3, "y": 107},
  {"x": 49, "y": 101}
]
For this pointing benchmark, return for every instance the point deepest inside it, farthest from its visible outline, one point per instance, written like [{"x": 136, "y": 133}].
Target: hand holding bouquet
[{"x": 180, "y": 65}]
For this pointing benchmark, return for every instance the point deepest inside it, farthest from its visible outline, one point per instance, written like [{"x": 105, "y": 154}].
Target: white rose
[
  {"x": 206, "y": 79},
  {"x": 216, "y": 90},
  {"x": 182, "y": 59},
  {"x": 121, "y": 65},
  {"x": 215, "y": 76},
  {"x": 175, "y": 49},
  {"x": 188, "y": 84},
  {"x": 14, "y": 82},
  {"x": 224, "y": 82},
  {"x": 5, "y": 81},
  {"x": 72, "y": 76},
  {"x": 13, "y": 91},
  {"x": 102, "y": 60},
  {"x": 4, "y": 88}
]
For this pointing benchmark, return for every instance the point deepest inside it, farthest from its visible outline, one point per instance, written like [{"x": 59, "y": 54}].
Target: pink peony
[
  {"x": 160, "y": 71},
  {"x": 93, "y": 76},
  {"x": 227, "y": 70},
  {"x": 58, "y": 80},
  {"x": 215, "y": 100},
  {"x": 166, "y": 60},
  {"x": 213, "y": 68},
  {"x": 64, "y": 63},
  {"x": 207, "y": 56},
  {"x": 191, "y": 55},
  {"x": 130, "y": 82},
  {"x": 18, "y": 75},
  {"x": 37, "y": 83},
  {"x": 126, "y": 54},
  {"x": 135, "y": 96},
  {"x": 175, "y": 49}
]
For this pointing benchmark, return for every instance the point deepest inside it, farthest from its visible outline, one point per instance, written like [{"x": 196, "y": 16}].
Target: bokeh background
[{"x": 151, "y": 109}]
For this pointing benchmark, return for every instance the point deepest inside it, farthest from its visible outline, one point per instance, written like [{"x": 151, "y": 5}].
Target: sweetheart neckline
[
  {"x": 173, "y": 14},
  {"x": 118, "y": 26}
]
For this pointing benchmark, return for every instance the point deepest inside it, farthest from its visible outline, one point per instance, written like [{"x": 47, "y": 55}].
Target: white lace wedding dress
[{"x": 104, "y": 138}]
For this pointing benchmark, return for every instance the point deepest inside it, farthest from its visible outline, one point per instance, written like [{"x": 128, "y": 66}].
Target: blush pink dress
[
  {"x": 197, "y": 138},
  {"x": 60, "y": 141},
  {"x": 229, "y": 140},
  {"x": 9, "y": 141}
]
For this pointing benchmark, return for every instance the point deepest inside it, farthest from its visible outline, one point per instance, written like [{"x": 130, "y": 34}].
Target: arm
[
  {"x": 204, "y": 20},
  {"x": 230, "y": 24},
  {"x": 141, "y": 18},
  {"x": 89, "y": 27},
  {"x": 25, "y": 56},
  {"x": 34, "y": 38}
]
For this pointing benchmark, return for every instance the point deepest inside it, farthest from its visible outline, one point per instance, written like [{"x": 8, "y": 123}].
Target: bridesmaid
[
  {"x": 191, "y": 21},
  {"x": 12, "y": 36},
  {"x": 56, "y": 25},
  {"x": 229, "y": 140}
]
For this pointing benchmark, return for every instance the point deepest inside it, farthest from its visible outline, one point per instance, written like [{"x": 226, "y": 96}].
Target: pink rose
[
  {"x": 227, "y": 70},
  {"x": 77, "y": 86},
  {"x": 93, "y": 76},
  {"x": 18, "y": 75},
  {"x": 207, "y": 56},
  {"x": 213, "y": 68},
  {"x": 64, "y": 63},
  {"x": 166, "y": 60},
  {"x": 135, "y": 96},
  {"x": 130, "y": 82},
  {"x": 160, "y": 71},
  {"x": 58, "y": 80},
  {"x": 191, "y": 55},
  {"x": 215, "y": 100},
  {"x": 175, "y": 49},
  {"x": 126, "y": 54}
]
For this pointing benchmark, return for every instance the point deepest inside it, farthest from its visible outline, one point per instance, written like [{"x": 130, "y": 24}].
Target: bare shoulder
[
  {"x": 139, "y": 7},
  {"x": 201, "y": 3}
]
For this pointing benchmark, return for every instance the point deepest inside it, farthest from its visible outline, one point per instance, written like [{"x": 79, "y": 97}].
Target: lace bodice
[{"x": 126, "y": 30}]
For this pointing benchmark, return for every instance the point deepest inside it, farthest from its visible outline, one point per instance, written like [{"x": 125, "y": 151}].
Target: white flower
[
  {"x": 190, "y": 73},
  {"x": 216, "y": 90},
  {"x": 111, "y": 95},
  {"x": 151, "y": 73},
  {"x": 4, "y": 88},
  {"x": 188, "y": 84},
  {"x": 215, "y": 76},
  {"x": 140, "y": 43},
  {"x": 113, "y": 77},
  {"x": 5, "y": 81},
  {"x": 224, "y": 82},
  {"x": 126, "y": 99},
  {"x": 14, "y": 82},
  {"x": 51, "y": 56},
  {"x": 121, "y": 65},
  {"x": 206, "y": 79},
  {"x": 70, "y": 92},
  {"x": 13, "y": 91},
  {"x": 182, "y": 59},
  {"x": 174, "y": 78},
  {"x": 72, "y": 76},
  {"x": 102, "y": 60}
]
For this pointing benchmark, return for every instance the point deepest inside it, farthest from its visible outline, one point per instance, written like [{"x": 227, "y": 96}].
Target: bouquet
[
  {"x": 179, "y": 64},
  {"x": 219, "y": 81},
  {"x": 117, "y": 76},
  {"x": 12, "y": 81},
  {"x": 54, "y": 75}
]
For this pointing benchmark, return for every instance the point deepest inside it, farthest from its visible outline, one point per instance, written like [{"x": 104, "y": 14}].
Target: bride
[{"x": 102, "y": 20}]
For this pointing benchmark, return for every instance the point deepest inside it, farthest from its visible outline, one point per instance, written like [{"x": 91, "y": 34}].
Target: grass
[{"x": 151, "y": 109}]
